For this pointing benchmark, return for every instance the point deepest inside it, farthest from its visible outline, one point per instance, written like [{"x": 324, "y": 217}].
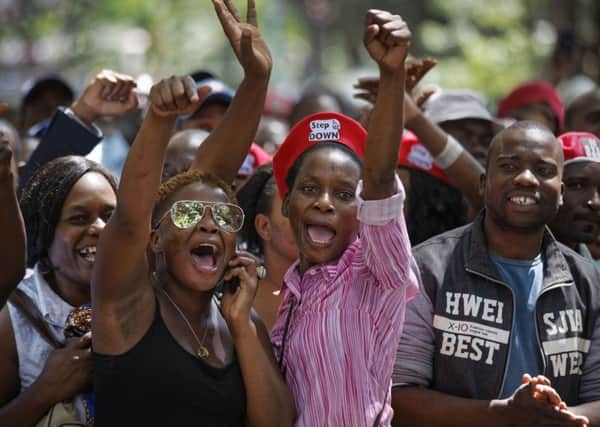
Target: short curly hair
[{"x": 171, "y": 186}]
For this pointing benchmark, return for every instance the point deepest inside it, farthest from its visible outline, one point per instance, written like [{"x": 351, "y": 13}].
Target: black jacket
[{"x": 473, "y": 315}]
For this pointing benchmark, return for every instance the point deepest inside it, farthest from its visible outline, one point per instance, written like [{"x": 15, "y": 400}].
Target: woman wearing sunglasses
[{"x": 166, "y": 351}]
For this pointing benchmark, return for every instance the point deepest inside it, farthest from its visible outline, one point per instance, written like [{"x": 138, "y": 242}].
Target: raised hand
[
  {"x": 415, "y": 70},
  {"x": 176, "y": 95},
  {"x": 237, "y": 306},
  {"x": 367, "y": 87},
  {"x": 247, "y": 43},
  {"x": 6, "y": 155},
  {"x": 108, "y": 94},
  {"x": 387, "y": 39}
]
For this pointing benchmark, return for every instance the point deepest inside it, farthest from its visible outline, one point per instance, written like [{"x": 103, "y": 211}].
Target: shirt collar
[
  {"x": 293, "y": 281},
  {"x": 556, "y": 269},
  {"x": 54, "y": 309}
]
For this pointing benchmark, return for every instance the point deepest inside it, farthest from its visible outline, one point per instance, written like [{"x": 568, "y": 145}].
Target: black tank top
[{"x": 158, "y": 383}]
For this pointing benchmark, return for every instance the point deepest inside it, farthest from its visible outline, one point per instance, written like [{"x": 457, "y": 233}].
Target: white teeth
[
  {"x": 523, "y": 200},
  {"x": 88, "y": 250}
]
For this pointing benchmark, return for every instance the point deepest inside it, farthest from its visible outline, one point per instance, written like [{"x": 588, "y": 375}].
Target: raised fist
[
  {"x": 108, "y": 94},
  {"x": 387, "y": 39}
]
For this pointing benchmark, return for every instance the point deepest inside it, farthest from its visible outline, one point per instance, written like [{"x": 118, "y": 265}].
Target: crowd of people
[{"x": 229, "y": 258}]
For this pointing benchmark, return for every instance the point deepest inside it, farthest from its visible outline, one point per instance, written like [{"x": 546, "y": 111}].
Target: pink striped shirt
[{"x": 346, "y": 322}]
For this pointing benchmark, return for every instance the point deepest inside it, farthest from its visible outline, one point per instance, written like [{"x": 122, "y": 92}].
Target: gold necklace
[{"x": 202, "y": 352}]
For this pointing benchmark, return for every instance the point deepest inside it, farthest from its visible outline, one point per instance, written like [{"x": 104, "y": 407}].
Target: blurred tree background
[{"x": 486, "y": 45}]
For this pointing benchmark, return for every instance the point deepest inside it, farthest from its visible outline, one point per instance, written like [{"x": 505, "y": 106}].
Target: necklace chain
[{"x": 202, "y": 352}]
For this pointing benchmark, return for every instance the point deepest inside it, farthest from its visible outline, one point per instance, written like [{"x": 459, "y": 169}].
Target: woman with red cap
[{"x": 343, "y": 305}]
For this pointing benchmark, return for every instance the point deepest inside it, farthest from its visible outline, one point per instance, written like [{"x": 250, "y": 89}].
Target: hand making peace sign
[{"x": 247, "y": 43}]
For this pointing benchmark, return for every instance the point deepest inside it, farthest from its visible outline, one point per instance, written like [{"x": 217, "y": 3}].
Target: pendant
[{"x": 202, "y": 352}]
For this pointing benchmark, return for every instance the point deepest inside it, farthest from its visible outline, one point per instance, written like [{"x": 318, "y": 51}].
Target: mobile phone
[{"x": 229, "y": 286}]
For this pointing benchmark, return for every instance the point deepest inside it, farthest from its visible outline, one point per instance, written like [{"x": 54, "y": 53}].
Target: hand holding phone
[
  {"x": 239, "y": 285},
  {"x": 228, "y": 285}
]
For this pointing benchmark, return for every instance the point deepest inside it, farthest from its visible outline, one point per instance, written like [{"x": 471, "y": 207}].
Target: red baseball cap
[
  {"x": 316, "y": 128},
  {"x": 580, "y": 147},
  {"x": 414, "y": 155},
  {"x": 533, "y": 92},
  {"x": 256, "y": 157}
]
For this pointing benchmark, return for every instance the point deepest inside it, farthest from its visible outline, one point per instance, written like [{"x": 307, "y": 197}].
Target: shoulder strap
[{"x": 25, "y": 305}]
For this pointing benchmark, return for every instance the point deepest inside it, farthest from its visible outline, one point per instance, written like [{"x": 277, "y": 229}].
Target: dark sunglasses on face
[{"x": 187, "y": 213}]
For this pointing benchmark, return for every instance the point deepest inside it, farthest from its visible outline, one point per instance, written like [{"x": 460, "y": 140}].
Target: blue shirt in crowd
[{"x": 525, "y": 280}]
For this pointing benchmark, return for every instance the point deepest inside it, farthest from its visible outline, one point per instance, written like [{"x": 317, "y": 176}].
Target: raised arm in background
[
  {"x": 465, "y": 171},
  {"x": 108, "y": 94},
  {"x": 385, "y": 130},
  {"x": 226, "y": 147}
]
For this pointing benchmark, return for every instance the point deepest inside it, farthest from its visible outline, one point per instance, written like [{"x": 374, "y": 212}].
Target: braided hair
[
  {"x": 256, "y": 197},
  {"x": 43, "y": 198}
]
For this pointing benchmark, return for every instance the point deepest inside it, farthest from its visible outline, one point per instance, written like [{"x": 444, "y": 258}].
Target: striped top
[{"x": 346, "y": 321}]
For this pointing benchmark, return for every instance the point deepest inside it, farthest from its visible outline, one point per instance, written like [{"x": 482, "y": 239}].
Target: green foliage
[
  {"x": 484, "y": 45},
  {"x": 489, "y": 49}
]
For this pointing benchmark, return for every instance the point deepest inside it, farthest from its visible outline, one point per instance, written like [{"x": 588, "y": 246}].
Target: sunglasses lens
[
  {"x": 228, "y": 217},
  {"x": 187, "y": 214}
]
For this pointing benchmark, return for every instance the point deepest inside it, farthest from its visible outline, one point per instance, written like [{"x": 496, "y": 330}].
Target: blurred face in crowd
[
  {"x": 538, "y": 112},
  {"x": 181, "y": 151},
  {"x": 522, "y": 185},
  {"x": 474, "y": 134},
  {"x": 276, "y": 232},
  {"x": 207, "y": 117},
  {"x": 42, "y": 108},
  {"x": 311, "y": 104},
  {"x": 270, "y": 133},
  {"x": 578, "y": 220},
  {"x": 84, "y": 214},
  {"x": 583, "y": 115}
]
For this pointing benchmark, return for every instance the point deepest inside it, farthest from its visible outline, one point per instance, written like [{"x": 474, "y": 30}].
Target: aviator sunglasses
[{"x": 187, "y": 213}]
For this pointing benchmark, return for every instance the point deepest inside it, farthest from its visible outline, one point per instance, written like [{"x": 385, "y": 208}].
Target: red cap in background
[
  {"x": 414, "y": 155},
  {"x": 580, "y": 147},
  {"x": 533, "y": 92}
]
